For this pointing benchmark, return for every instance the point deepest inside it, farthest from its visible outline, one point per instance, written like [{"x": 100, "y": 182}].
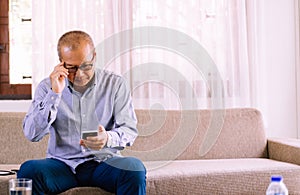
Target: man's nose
[{"x": 79, "y": 75}]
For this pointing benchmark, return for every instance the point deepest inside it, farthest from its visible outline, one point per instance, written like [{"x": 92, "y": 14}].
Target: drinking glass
[{"x": 20, "y": 186}]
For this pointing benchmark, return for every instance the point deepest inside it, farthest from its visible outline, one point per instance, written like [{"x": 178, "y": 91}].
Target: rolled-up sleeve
[{"x": 42, "y": 112}]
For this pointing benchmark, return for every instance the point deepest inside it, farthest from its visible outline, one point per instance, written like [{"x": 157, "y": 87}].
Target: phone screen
[{"x": 86, "y": 134}]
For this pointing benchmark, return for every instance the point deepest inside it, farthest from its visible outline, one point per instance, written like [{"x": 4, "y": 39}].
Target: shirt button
[{"x": 52, "y": 98}]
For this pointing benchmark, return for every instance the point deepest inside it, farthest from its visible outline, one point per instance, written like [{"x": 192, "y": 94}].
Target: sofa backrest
[
  {"x": 15, "y": 148},
  {"x": 199, "y": 134},
  {"x": 163, "y": 135}
]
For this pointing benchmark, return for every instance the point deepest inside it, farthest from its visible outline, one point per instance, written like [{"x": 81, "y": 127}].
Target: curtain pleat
[{"x": 159, "y": 77}]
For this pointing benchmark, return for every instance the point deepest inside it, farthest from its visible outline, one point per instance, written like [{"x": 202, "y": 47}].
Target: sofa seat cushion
[
  {"x": 217, "y": 176},
  {"x": 222, "y": 176},
  {"x": 86, "y": 191}
]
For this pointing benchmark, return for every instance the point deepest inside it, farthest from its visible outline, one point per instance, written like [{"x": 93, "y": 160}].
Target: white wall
[
  {"x": 277, "y": 58},
  {"x": 14, "y": 105}
]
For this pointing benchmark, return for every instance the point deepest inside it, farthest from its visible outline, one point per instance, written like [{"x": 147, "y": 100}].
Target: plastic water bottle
[{"x": 277, "y": 187}]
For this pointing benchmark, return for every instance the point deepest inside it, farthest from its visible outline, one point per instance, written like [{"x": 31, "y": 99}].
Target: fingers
[
  {"x": 96, "y": 142},
  {"x": 101, "y": 129},
  {"x": 93, "y": 143},
  {"x": 60, "y": 71},
  {"x": 81, "y": 142},
  {"x": 57, "y": 77}
]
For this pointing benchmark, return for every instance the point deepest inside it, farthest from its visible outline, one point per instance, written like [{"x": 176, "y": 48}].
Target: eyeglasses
[{"x": 86, "y": 66}]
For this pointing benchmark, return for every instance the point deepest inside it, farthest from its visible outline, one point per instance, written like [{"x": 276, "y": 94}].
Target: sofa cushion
[
  {"x": 163, "y": 135},
  {"x": 86, "y": 191},
  {"x": 199, "y": 134},
  {"x": 220, "y": 176},
  {"x": 217, "y": 176},
  {"x": 15, "y": 148}
]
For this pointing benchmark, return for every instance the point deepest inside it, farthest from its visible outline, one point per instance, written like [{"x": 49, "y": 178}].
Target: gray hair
[{"x": 74, "y": 39}]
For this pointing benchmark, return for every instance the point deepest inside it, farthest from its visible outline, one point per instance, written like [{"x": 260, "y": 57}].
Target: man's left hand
[{"x": 96, "y": 142}]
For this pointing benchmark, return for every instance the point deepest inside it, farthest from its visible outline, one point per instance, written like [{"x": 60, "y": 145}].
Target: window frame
[{"x": 8, "y": 91}]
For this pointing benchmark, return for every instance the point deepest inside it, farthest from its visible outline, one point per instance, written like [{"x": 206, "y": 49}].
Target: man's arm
[
  {"x": 43, "y": 109},
  {"x": 42, "y": 112},
  {"x": 125, "y": 131}
]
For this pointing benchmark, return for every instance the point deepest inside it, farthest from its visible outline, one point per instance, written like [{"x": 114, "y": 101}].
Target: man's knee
[
  {"x": 134, "y": 176},
  {"x": 48, "y": 175},
  {"x": 127, "y": 164},
  {"x": 28, "y": 169},
  {"x": 134, "y": 169}
]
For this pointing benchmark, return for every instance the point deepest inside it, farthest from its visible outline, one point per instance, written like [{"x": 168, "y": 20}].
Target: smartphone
[{"x": 90, "y": 133}]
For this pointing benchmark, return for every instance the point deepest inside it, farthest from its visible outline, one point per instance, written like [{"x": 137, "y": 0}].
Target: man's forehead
[{"x": 84, "y": 53}]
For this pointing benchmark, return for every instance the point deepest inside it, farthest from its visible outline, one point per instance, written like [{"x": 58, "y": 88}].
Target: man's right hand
[{"x": 57, "y": 78}]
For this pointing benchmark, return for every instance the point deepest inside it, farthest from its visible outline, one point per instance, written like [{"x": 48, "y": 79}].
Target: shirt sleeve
[
  {"x": 125, "y": 131},
  {"x": 42, "y": 112}
]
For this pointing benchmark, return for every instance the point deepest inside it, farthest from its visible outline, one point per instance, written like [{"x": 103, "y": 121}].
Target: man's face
[{"x": 79, "y": 63}]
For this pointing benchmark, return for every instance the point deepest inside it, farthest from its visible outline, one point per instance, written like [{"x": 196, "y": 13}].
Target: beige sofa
[{"x": 185, "y": 152}]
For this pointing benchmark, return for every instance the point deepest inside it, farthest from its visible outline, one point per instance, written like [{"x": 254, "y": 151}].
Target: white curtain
[
  {"x": 160, "y": 76},
  {"x": 297, "y": 25},
  {"x": 51, "y": 19},
  {"x": 222, "y": 29}
]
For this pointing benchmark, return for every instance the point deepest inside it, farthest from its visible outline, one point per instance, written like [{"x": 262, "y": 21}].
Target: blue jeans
[{"x": 120, "y": 175}]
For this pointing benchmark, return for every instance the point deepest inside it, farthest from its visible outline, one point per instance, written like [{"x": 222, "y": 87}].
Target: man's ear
[{"x": 95, "y": 56}]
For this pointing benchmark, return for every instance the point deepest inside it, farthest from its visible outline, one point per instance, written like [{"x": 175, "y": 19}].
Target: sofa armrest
[{"x": 284, "y": 149}]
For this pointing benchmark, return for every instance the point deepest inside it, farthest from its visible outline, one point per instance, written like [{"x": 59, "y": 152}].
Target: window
[
  {"x": 9, "y": 90},
  {"x": 20, "y": 35}
]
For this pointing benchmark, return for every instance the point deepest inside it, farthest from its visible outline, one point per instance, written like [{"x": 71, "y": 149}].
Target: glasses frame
[{"x": 85, "y": 66}]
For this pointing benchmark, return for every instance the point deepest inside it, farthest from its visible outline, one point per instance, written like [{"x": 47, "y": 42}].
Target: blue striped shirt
[{"x": 64, "y": 116}]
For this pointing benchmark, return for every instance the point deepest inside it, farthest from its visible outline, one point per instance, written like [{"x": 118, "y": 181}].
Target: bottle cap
[{"x": 276, "y": 178}]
